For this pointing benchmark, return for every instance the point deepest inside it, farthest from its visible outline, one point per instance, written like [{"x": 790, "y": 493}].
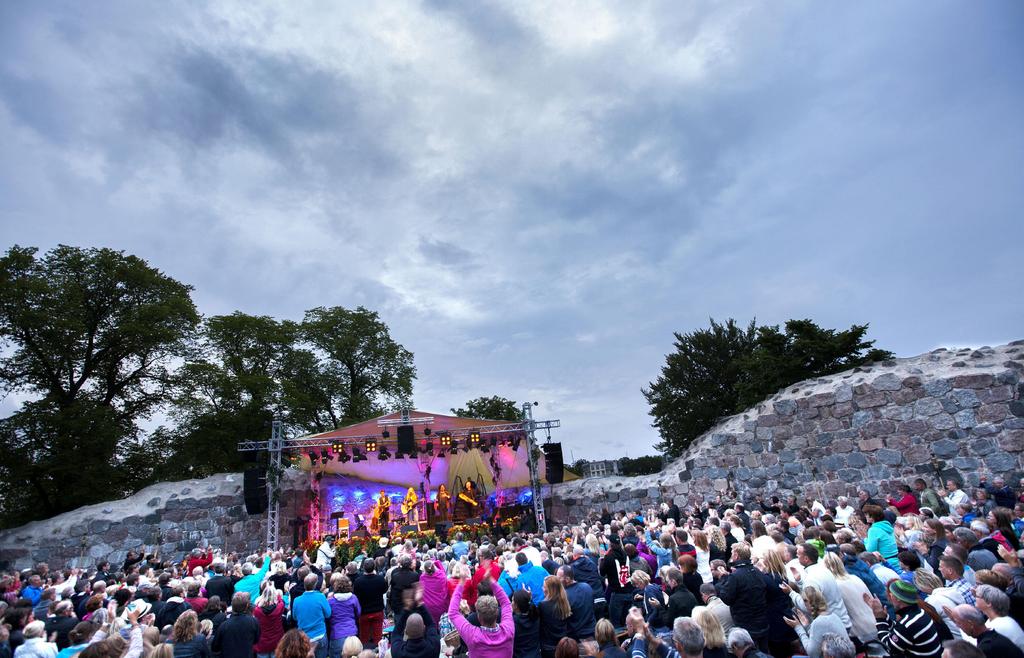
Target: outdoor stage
[{"x": 491, "y": 476}]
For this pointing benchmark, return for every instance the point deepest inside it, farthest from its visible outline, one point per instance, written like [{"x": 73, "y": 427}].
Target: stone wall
[
  {"x": 176, "y": 516},
  {"x": 946, "y": 413}
]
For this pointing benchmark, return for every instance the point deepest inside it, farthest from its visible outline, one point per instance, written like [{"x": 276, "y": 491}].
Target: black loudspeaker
[
  {"x": 553, "y": 464},
  {"x": 254, "y": 490},
  {"x": 406, "y": 440},
  {"x": 441, "y": 530}
]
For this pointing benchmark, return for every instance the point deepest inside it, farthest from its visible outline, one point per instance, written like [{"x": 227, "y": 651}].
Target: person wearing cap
[{"x": 911, "y": 632}]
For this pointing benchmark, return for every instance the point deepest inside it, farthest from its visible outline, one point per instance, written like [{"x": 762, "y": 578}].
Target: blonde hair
[
  {"x": 270, "y": 595},
  {"x": 714, "y": 634},
  {"x": 554, "y": 591},
  {"x": 773, "y": 564},
  {"x": 640, "y": 579},
  {"x": 593, "y": 544},
  {"x": 206, "y": 627},
  {"x": 604, "y": 633},
  {"x": 700, "y": 539},
  {"x": 926, "y": 581},
  {"x": 716, "y": 537},
  {"x": 834, "y": 563},
  {"x": 352, "y": 647},
  {"x": 186, "y": 627},
  {"x": 815, "y": 601}
]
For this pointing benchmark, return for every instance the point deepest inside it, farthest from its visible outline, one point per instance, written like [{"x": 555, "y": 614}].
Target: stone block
[
  {"x": 918, "y": 454},
  {"x": 906, "y": 396},
  {"x": 965, "y": 419},
  {"x": 966, "y": 398},
  {"x": 912, "y": 382},
  {"x": 887, "y": 382},
  {"x": 926, "y": 407},
  {"x": 945, "y": 449},
  {"x": 942, "y": 421},
  {"x": 992, "y": 413},
  {"x": 764, "y": 433},
  {"x": 981, "y": 380},
  {"x": 821, "y": 399},
  {"x": 937, "y": 387},
  {"x": 767, "y": 420},
  {"x": 870, "y": 445},
  {"x": 784, "y": 407},
  {"x": 1012, "y": 441},
  {"x": 984, "y": 429},
  {"x": 99, "y": 527},
  {"x": 856, "y": 460},
  {"x": 844, "y": 393},
  {"x": 850, "y": 475},
  {"x": 832, "y": 425},
  {"x": 878, "y": 428},
  {"x": 1000, "y": 462},
  {"x": 966, "y": 463},
  {"x": 898, "y": 413},
  {"x": 890, "y": 457},
  {"x": 721, "y": 485},
  {"x": 949, "y": 405},
  {"x": 1016, "y": 407},
  {"x": 870, "y": 401},
  {"x": 807, "y": 414},
  {"x": 861, "y": 418},
  {"x": 913, "y": 426}
]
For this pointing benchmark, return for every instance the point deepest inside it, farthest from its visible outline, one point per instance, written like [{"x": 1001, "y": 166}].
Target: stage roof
[{"x": 512, "y": 464}]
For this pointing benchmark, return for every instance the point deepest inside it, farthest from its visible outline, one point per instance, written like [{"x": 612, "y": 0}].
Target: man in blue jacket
[
  {"x": 531, "y": 578},
  {"x": 311, "y": 612},
  {"x": 581, "y": 601},
  {"x": 252, "y": 579},
  {"x": 584, "y": 570}
]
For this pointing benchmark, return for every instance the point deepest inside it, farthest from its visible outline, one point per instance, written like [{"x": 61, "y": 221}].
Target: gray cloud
[{"x": 535, "y": 197}]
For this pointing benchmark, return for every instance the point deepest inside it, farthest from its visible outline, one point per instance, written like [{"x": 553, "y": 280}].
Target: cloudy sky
[{"x": 536, "y": 195}]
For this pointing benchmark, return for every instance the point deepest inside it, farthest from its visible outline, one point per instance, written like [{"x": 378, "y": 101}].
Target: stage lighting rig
[
  {"x": 357, "y": 456},
  {"x": 325, "y": 456},
  {"x": 371, "y": 445},
  {"x": 446, "y": 440},
  {"x": 384, "y": 453},
  {"x": 385, "y": 434},
  {"x": 343, "y": 457},
  {"x": 474, "y": 436},
  {"x": 337, "y": 447}
]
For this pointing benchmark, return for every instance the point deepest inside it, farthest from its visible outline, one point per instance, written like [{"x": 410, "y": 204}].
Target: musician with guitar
[
  {"x": 467, "y": 499},
  {"x": 382, "y": 514},
  {"x": 411, "y": 507}
]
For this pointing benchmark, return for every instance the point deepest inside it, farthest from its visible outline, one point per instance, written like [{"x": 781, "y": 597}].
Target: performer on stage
[
  {"x": 443, "y": 503},
  {"x": 382, "y": 513},
  {"x": 411, "y": 507},
  {"x": 467, "y": 499}
]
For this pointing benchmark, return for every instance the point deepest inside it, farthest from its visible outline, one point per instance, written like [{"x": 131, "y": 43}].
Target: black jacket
[
  {"x": 428, "y": 646},
  {"x": 681, "y": 603},
  {"x": 585, "y": 571},
  {"x": 221, "y": 586},
  {"x": 197, "y": 647},
  {"x": 611, "y": 563},
  {"x": 370, "y": 590},
  {"x": 236, "y": 636},
  {"x": 61, "y": 626},
  {"x": 581, "y": 621},
  {"x": 172, "y": 610},
  {"x": 744, "y": 592},
  {"x": 552, "y": 629},
  {"x": 994, "y": 645},
  {"x": 401, "y": 580},
  {"x": 527, "y": 638}
]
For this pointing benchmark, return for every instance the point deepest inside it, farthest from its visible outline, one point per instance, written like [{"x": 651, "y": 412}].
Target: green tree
[
  {"x": 360, "y": 370},
  {"x": 645, "y": 465},
  {"x": 577, "y": 466},
  {"x": 698, "y": 382},
  {"x": 228, "y": 391},
  {"x": 803, "y": 350},
  {"x": 723, "y": 370},
  {"x": 89, "y": 336},
  {"x": 491, "y": 408}
]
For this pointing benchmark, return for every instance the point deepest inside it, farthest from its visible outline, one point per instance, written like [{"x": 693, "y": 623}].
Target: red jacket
[
  {"x": 203, "y": 562},
  {"x": 906, "y": 505}
]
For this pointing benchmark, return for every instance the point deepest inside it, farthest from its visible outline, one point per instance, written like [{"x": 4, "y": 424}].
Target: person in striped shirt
[{"x": 911, "y": 633}]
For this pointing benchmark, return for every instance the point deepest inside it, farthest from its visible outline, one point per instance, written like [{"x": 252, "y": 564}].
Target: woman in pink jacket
[
  {"x": 495, "y": 635},
  {"x": 435, "y": 588}
]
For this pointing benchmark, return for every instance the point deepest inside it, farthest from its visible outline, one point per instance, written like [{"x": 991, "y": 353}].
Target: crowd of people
[{"x": 916, "y": 573}]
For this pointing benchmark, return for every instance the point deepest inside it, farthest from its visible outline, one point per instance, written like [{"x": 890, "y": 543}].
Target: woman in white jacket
[{"x": 853, "y": 589}]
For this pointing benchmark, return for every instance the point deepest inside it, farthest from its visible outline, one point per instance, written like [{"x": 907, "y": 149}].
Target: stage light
[
  {"x": 384, "y": 453},
  {"x": 468, "y": 446},
  {"x": 343, "y": 457},
  {"x": 474, "y": 436},
  {"x": 357, "y": 456},
  {"x": 428, "y": 447},
  {"x": 440, "y": 453},
  {"x": 453, "y": 449},
  {"x": 385, "y": 434},
  {"x": 371, "y": 445},
  {"x": 313, "y": 457},
  {"x": 325, "y": 456},
  {"x": 426, "y": 431},
  {"x": 446, "y": 440}
]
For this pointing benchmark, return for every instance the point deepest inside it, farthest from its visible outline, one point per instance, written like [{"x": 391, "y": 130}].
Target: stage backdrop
[{"x": 509, "y": 467}]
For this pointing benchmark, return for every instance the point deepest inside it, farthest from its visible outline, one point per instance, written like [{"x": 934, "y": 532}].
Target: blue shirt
[
  {"x": 311, "y": 612},
  {"x": 532, "y": 576},
  {"x": 460, "y": 548}
]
